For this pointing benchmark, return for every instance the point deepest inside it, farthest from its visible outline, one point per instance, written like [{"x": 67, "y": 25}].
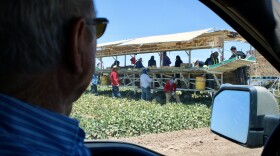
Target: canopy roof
[
  {"x": 200, "y": 39},
  {"x": 112, "y": 43}
]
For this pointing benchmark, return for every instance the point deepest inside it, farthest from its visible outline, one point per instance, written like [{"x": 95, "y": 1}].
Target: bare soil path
[{"x": 197, "y": 142}]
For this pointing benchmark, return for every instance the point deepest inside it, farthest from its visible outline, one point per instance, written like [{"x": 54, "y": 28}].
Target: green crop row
[{"x": 104, "y": 117}]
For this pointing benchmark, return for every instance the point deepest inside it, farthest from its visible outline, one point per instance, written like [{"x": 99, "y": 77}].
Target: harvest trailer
[{"x": 192, "y": 78}]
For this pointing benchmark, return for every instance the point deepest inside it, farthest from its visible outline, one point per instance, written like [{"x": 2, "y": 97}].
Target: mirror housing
[{"x": 238, "y": 113}]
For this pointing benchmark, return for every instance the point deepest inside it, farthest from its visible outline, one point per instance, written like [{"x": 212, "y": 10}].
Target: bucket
[
  {"x": 104, "y": 80},
  {"x": 200, "y": 83}
]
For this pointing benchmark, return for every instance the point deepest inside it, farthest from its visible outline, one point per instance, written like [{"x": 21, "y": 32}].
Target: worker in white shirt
[{"x": 145, "y": 82}]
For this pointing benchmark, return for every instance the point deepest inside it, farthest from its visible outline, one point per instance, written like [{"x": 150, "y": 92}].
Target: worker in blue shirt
[
  {"x": 95, "y": 81},
  {"x": 165, "y": 59},
  {"x": 139, "y": 64},
  {"x": 213, "y": 59}
]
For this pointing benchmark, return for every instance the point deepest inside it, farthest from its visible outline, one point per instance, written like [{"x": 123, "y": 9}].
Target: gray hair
[{"x": 33, "y": 33}]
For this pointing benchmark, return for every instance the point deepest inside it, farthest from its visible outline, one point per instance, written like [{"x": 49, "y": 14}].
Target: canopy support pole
[
  {"x": 222, "y": 58},
  {"x": 160, "y": 59},
  {"x": 101, "y": 62},
  {"x": 189, "y": 53},
  {"x": 125, "y": 60}
]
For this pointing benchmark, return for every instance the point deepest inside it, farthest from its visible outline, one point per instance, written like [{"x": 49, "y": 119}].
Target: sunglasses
[{"x": 100, "y": 26}]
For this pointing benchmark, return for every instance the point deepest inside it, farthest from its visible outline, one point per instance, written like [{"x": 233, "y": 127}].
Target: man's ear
[{"x": 77, "y": 39}]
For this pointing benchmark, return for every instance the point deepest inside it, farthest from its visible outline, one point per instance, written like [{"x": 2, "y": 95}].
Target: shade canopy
[{"x": 200, "y": 39}]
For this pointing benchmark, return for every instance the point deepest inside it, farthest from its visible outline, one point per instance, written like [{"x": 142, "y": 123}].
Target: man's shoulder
[{"x": 12, "y": 146}]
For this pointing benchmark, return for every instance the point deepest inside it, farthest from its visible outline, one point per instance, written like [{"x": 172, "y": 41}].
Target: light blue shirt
[
  {"x": 94, "y": 79},
  {"x": 31, "y": 130},
  {"x": 145, "y": 80}
]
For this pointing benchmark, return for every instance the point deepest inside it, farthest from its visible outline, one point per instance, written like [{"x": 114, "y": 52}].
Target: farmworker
[
  {"x": 98, "y": 66},
  {"x": 199, "y": 64},
  {"x": 213, "y": 59},
  {"x": 241, "y": 72},
  {"x": 152, "y": 62},
  {"x": 178, "y": 63},
  {"x": 115, "y": 82},
  {"x": 145, "y": 82},
  {"x": 139, "y": 63},
  {"x": 133, "y": 60},
  {"x": 170, "y": 90},
  {"x": 117, "y": 63},
  {"x": 48, "y": 49},
  {"x": 165, "y": 59},
  {"x": 95, "y": 81},
  {"x": 236, "y": 53}
]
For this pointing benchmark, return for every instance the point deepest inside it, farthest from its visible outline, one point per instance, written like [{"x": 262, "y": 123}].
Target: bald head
[{"x": 34, "y": 34}]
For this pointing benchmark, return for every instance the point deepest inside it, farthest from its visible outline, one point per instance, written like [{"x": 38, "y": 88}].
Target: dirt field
[{"x": 195, "y": 142}]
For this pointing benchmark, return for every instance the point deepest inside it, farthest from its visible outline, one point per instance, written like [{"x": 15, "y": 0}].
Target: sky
[{"x": 130, "y": 19}]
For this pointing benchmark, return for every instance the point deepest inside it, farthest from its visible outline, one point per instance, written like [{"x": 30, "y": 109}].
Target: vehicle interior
[{"x": 263, "y": 33}]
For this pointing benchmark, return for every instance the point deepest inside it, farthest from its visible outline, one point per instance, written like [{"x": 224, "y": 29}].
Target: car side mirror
[{"x": 238, "y": 113}]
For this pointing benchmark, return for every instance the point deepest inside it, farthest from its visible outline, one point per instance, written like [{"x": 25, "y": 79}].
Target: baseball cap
[{"x": 144, "y": 71}]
